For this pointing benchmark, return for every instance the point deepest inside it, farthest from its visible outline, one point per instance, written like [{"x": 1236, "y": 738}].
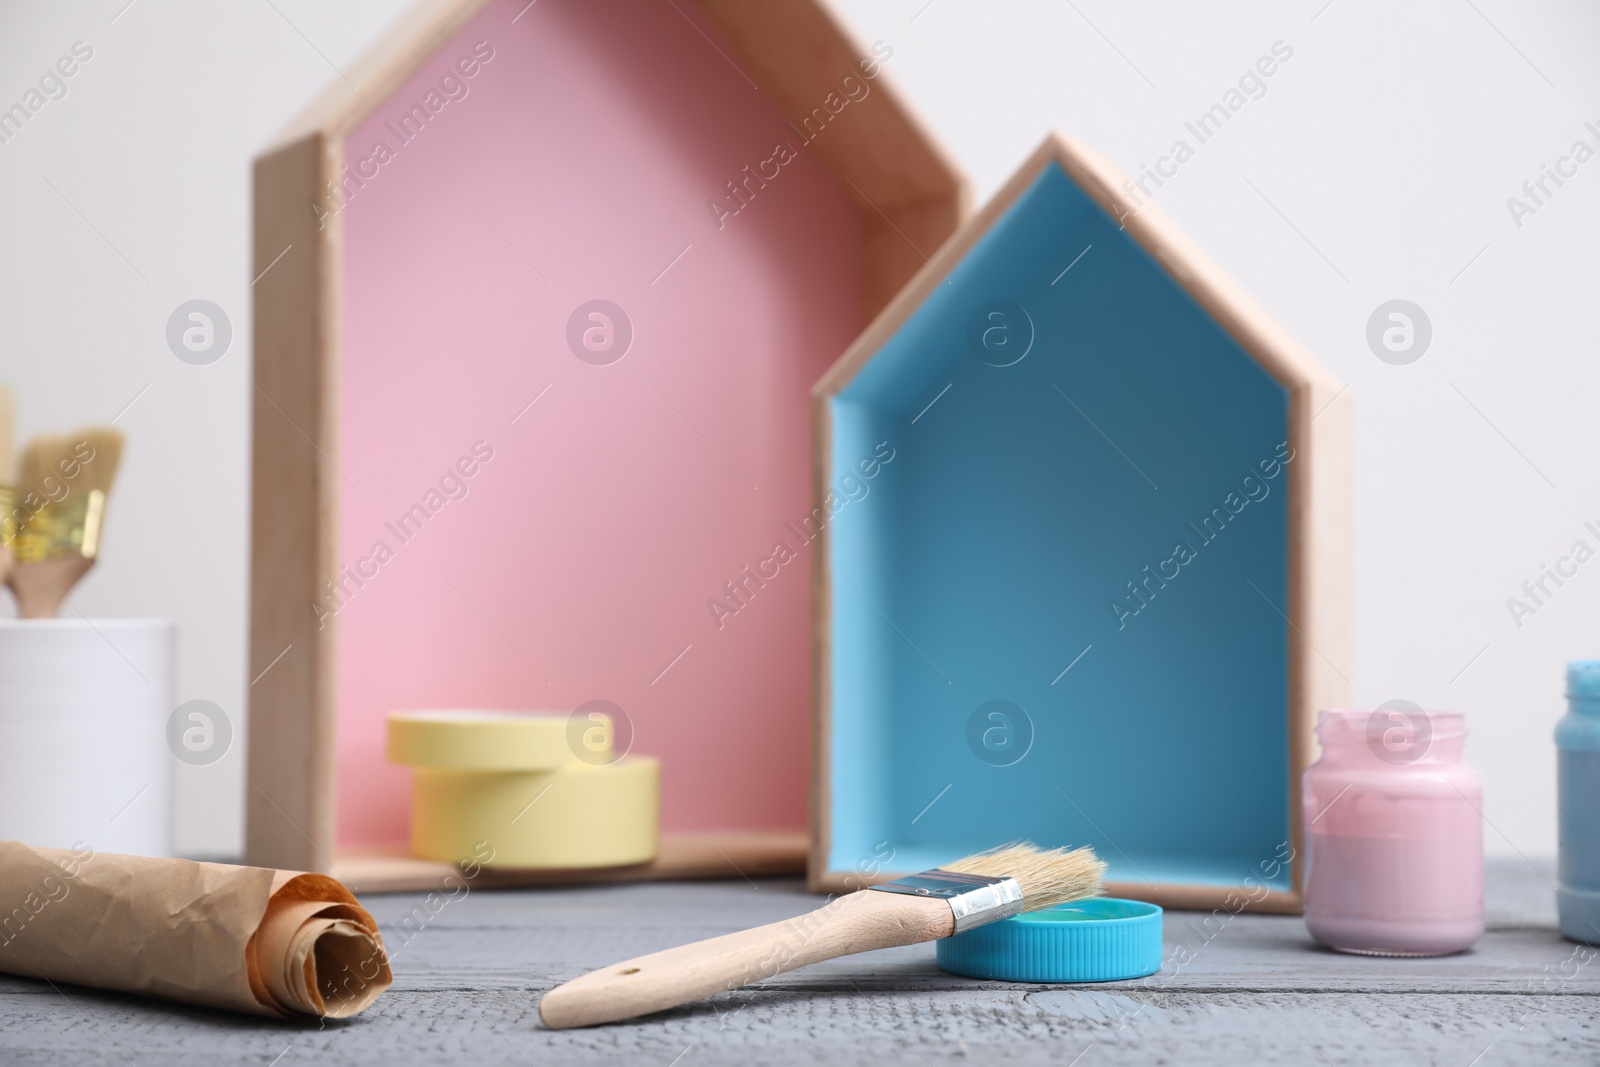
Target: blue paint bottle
[{"x": 1578, "y": 789}]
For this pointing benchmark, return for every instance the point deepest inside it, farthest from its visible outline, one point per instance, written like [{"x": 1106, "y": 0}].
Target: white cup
[{"x": 84, "y": 705}]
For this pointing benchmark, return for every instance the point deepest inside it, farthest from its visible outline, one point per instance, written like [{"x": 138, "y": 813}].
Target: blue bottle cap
[
  {"x": 1100, "y": 939},
  {"x": 1583, "y": 679}
]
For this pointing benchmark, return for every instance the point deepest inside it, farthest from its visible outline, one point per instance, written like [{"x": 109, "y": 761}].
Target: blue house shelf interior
[{"x": 1084, "y": 554}]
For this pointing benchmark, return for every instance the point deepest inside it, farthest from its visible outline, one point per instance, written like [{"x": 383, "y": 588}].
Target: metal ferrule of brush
[
  {"x": 70, "y": 526},
  {"x": 974, "y": 899}
]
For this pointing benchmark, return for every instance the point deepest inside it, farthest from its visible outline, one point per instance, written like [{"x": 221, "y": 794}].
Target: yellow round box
[
  {"x": 582, "y": 815},
  {"x": 485, "y": 740}
]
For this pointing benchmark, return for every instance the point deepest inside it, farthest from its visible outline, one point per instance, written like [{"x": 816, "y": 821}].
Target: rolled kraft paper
[
  {"x": 485, "y": 740},
  {"x": 240, "y": 938},
  {"x": 580, "y": 816}
]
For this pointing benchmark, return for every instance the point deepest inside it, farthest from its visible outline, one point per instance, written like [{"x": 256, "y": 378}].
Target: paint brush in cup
[
  {"x": 974, "y": 891},
  {"x": 61, "y": 504}
]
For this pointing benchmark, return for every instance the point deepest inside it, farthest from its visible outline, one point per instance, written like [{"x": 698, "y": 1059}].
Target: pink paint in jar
[{"x": 1394, "y": 833}]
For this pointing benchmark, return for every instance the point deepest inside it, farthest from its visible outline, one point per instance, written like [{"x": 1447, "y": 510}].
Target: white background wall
[{"x": 1376, "y": 166}]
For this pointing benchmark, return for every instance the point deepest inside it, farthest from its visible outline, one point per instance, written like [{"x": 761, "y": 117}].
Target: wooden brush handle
[
  {"x": 41, "y": 587},
  {"x": 856, "y": 923}
]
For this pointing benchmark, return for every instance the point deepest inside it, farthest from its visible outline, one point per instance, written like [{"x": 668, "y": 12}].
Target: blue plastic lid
[
  {"x": 1583, "y": 679},
  {"x": 1101, "y": 939}
]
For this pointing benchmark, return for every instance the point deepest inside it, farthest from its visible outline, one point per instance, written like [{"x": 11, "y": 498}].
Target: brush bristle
[
  {"x": 52, "y": 456},
  {"x": 1048, "y": 876}
]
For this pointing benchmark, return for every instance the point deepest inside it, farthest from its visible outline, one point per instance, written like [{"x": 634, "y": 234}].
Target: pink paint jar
[{"x": 1394, "y": 834}]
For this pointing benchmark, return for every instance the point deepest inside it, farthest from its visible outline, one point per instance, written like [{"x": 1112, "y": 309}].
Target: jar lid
[
  {"x": 1583, "y": 679},
  {"x": 480, "y": 740},
  {"x": 1100, "y": 939}
]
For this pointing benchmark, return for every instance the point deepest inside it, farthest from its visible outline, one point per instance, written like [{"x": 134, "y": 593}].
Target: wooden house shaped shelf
[
  {"x": 1084, "y": 575},
  {"x": 542, "y": 293}
]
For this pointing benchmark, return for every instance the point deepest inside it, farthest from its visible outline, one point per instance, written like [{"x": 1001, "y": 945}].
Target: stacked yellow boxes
[{"x": 542, "y": 790}]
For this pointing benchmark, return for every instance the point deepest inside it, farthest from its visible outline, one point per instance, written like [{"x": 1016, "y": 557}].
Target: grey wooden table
[{"x": 1255, "y": 989}]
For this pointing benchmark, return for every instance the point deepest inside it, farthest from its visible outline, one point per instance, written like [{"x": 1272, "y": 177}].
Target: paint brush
[
  {"x": 8, "y": 473},
  {"x": 61, "y": 499},
  {"x": 972, "y": 892}
]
